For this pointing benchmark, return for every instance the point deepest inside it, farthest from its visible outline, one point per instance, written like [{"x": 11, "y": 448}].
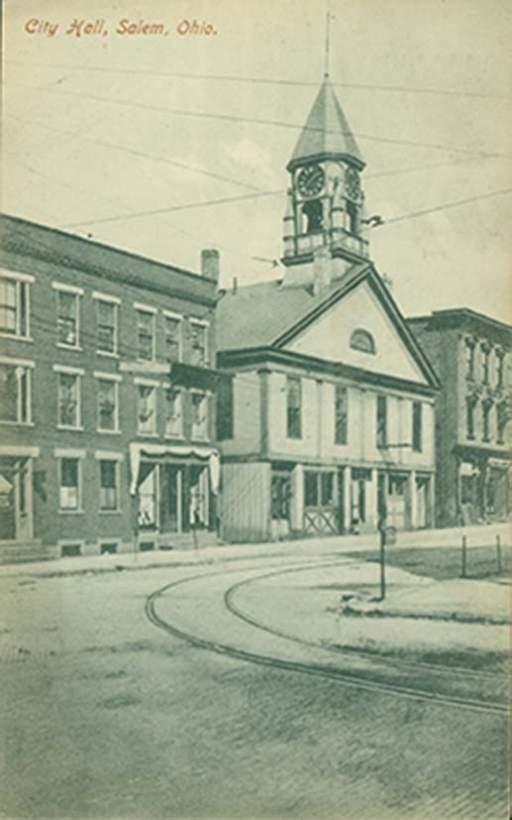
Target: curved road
[{"x": 224, "y": 625}]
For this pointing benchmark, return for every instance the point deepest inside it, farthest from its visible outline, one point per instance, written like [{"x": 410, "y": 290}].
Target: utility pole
[
  {"x": 382, "y": 543},
  {"x": 464, "y": 568}
]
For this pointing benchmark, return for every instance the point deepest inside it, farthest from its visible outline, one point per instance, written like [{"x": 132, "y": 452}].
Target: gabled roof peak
[{"x": 327, "y": 132}]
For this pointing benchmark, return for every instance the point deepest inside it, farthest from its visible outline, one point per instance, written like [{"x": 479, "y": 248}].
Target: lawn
[{"x": 444, "y": 563}]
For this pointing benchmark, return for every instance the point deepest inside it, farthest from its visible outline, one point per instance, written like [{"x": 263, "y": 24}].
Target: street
[{"x": 108, "y": 715}]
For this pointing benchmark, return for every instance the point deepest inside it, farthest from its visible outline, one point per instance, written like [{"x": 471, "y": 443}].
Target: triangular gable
[{"x": 366, "y": 306}]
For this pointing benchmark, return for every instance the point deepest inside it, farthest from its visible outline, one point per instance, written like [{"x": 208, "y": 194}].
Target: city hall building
[
  {"x": 327, "y": 425},
  {"x": 472, "y": 354},
  {"x": 107, "y": 391}
]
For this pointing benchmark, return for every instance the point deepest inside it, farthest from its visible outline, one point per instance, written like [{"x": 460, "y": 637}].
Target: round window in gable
[{"x": 363, "y": 341}]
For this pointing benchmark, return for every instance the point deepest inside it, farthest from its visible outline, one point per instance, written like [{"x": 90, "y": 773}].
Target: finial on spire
[{"x": 328, "y": 18}]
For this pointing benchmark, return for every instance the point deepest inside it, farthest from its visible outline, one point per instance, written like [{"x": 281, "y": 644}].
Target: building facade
[
  {"x": 106, "y": 396},
  {"x": 328, "y": 423},
  {"x": 472, "y": 355}
]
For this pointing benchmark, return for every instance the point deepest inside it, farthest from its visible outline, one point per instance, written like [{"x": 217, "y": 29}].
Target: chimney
[
  {"x": 210, "y": 264},
  {"x": 322, "y": 273}
]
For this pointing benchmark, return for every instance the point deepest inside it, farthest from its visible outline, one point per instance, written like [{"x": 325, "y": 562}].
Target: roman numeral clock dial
[{"x": 310, "y": 181}]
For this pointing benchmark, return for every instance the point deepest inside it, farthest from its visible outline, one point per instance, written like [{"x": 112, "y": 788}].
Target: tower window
[
  {"x": 314, "y": 213},
  {"x": 353, "y": 218}
]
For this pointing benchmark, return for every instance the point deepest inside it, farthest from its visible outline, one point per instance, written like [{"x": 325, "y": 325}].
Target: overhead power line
[
  {"x": 137, "y": 153},
  {"x": 226, "y": 200},
  {"x": 253, "y": 120},
  {"x": 187, "y": 206},
  {"x": 401, "y": 89},
  {"x": 445, "y": 206}
]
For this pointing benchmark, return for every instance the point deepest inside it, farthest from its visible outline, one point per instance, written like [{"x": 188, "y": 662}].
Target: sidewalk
[{"x": 314, "y": 547}]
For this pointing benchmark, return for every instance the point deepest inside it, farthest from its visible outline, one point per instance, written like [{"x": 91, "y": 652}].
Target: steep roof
[
  {"x": 258, "y": 315},
  {"x": 269, "y": 315},
  {"x": 326, "y": 131}
]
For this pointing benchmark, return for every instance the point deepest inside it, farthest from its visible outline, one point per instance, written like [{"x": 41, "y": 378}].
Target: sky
[{"x": 112, "y": 133}]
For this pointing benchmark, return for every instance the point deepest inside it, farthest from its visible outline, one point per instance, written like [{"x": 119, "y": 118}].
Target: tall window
[
  {"x": 145, "y": 335},
  {"x": 199, "y": 415},
  {"x": 340, "y": 414},
  {"x": 68, "y": 328},
  {"x": 15, "y": 393},
  {"x": 107, "y": 405},
  {"x": 106, "y": 316},
  {"x": 146, "y": 409},
  {"x": 417, "y": 426},
  {"x": 69, "y": 490},
  {"x": 293, "y": 407},
  {"x": 173, "y": 338},
  {"x": 109, "y": 485},
  {"x": 382, "y": 421},
  {"x": 486, "y": 420},
  {"x": 470, "y": 417},
  {"x": 470, "y": 358},
  {"x": 199, "y": 338},
  {"x": 314, "y": 212},
  {"x": 500, "y": 368},
  {"x": 14, "y": 307},
  {"x": 501, "y": 421},
  {"x": 69, "y": 414},
  {"x": 353, "y": 218},
  {"x": 225, "y": 409},
  {"x": 486, "y": 363},
  {"x": 173, "y": 412}
]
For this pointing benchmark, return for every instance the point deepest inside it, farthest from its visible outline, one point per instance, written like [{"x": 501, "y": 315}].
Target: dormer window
[{"x": 363, "y": 341}]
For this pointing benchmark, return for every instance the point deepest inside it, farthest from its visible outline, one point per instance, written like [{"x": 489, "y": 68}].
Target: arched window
[
  {"x": 362, "y": 340},
  {"x": 314, "y": 213}
]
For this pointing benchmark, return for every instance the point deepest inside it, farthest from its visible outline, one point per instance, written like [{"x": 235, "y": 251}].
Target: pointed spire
[{"x": 327, "y": 132}]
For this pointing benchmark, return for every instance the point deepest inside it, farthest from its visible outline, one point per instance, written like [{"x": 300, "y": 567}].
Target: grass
[
  {"x": 471, "y": 659},
  {"x": 445, "y": 563}
]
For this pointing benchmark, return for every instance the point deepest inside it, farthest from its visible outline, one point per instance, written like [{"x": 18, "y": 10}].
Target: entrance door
[
  {"x": 321, "y": 514},
  {"x": 195, "y": 497},
  {"x": 170, "y": 508},
  {"x": 397, "y": 492},
  {"x": 16, "y": 519},
  {"x": 7, "y": 505},
  {"x": 422, "y": 502},
  {"x": 281, "y": 496},
  {"x": 148, "y": 497},
  {"x": 496, "y": 496},
  {"x": 360, "y": 477}
]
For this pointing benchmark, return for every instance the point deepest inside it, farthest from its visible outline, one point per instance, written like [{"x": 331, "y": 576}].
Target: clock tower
[{"x": 325, "y": 207}]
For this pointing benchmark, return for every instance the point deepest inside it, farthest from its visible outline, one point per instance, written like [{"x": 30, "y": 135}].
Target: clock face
[
  {"x": 353, "y": 184},
  {"x": 311, "y": 180}
]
